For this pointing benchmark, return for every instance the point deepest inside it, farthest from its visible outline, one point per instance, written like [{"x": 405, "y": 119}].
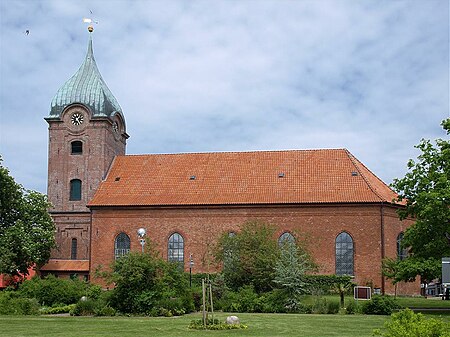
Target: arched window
[
  {"x": 76, "y": 147},
  {"x": 175, "y": 252},
  {"x": 75, "y": 189},
  {"x": 286, "y": 237},
  {"x": 402, "y": 252},
  {"x": 344, "y": 254},
  {"x": 121, "y": 245},
  {"x": 73, "y": 250}
]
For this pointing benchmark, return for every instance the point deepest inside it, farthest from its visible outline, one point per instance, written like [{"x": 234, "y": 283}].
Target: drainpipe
[{"x": 383, "y": 253}]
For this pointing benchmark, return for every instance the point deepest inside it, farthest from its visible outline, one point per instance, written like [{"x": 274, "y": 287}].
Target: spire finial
[{"x": 90, "y": 21}]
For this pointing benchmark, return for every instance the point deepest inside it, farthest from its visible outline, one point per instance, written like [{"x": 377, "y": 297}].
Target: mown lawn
[{"x": 260, "y": 325}]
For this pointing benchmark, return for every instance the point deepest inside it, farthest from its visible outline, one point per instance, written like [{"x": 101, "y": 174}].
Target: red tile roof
[
  {"x": 66, "y": 265},
  {"x": 309, "y": 176}
]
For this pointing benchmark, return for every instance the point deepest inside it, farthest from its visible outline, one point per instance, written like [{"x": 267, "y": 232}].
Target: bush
[
  {"x": 333, "y": 307},
  {"x": 214, "y": 325},
  {"x": 85, "y": 308},
  {"x": 12, "y": 304},
  {"x": 408, "y": 324},
  {"x": 244, "y": 300},
  {"x": 352, "y": 308},
  {"x": 380, "y": 305},
  {"x": 147, "y": 284},
  {"x": 52, "y": 290},
  {"x": 57, "y": 309},
  {"x": 328, "y": 284},
  {"x": 105, "y": 311}
]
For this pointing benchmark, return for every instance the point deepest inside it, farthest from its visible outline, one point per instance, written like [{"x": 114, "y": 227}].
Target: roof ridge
[
  {"x": 228, "y": 152},
  {"x": 353, "y": 159}
]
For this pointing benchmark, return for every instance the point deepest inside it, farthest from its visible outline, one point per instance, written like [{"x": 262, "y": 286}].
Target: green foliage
[
  {"x": 426, "y": 191},
  {"x": 12, "y": 304},
  {"x": 57, "y": 309},
  {"x": 328, "y": 284},
  {"x": 380, "y": 305},
  {"x": 146, "y": 284},
  {"x": 27, "y": 230},
  {"x": 249, "y": 257},
  {"x": 244, "y": 300},
  {"x": 408, "y": 324},
  {"x": 84, "y": 308},
  {"x": 291, "y": 267},
  {"x": 52, "y": 290},
  {"x": 353, "y": 308},
  {"x": 408, "y": 269},
  {"x": 197, "y": 324}
]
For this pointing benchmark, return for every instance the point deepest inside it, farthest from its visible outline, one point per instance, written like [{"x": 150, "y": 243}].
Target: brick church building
[{"x": 185, "y": 201}]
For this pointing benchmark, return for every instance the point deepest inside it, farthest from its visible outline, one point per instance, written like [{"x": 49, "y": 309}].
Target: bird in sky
[{"x": 27, "y": 32}]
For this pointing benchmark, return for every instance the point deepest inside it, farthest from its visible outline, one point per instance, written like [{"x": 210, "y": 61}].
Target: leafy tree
[
  {"x": 425, "y": 189},
  {"x": 144, "y": 281},
  {"x": 291, "y": 267},
  {"x": 26, "y": 228},
  {"x": 250, "y": 256}
]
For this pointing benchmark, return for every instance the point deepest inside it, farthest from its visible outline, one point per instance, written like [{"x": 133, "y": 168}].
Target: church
[{"x": 101, "y": 196}]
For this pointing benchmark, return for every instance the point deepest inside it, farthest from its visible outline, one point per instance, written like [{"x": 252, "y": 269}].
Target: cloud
[{"x": 195, "y": 76}]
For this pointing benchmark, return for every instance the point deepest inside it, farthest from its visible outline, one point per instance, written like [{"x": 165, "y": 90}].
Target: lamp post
[
  {"x": 191, "y": 264},
  {"x": 141, "y": 234}
]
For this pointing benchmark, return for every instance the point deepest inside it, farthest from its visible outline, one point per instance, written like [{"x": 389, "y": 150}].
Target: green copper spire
[{"x": 86, "y": 87}]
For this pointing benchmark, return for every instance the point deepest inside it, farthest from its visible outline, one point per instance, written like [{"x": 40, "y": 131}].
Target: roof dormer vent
[
  {"x": 281, "y": 175},
  {"x": 354, "y": 174},
  {"x": 192, "y": 177}
]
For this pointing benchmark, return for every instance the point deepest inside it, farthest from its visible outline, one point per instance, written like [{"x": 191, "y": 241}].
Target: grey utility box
[{"x": 446, "y": 271}]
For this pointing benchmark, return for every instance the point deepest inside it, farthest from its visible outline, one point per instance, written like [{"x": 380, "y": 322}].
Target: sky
[{"x": 207, "y": 76}]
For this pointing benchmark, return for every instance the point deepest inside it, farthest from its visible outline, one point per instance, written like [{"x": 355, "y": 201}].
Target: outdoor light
[
  {"x": 141, "y": 234},
  {"x": 191, "y": 264}
]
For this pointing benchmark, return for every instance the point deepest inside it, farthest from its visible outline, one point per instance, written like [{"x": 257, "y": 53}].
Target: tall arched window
[
  {"x": 121, "y": 245},
  {"x": 175, "y": 252},
  {"x": 76, "y": 147},
  {"x": 75, "y": 189},
  {"x": 73, "y": 250},
  {"x": 402, "y": 253},
  {"x": 286, "y": 237},
  {"x": 344, "y": 254}
]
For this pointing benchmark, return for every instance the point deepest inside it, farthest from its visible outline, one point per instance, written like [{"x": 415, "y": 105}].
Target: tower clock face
[{"x": 77, "y": 118}]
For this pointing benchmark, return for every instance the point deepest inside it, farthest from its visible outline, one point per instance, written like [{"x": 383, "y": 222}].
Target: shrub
[
  {"x": 249, "y": 257},
  {"x": 319, "y": 306},
  {"x": 146, "y": 284},
  {"x": 85, "y": 308},
  {"x": 408, "y": 324},
  {"x": 333, "y": 307},
  {"x": 380, "y": 305},
  {"x": 214, "y": 325},
  {"x": 105, "y": 311},
  {"x": 244, "y": 300},
  {"x": 57, "y": 309},
  {"x": 352, "y": 308},
  {"x": 328, "y": 284},
  {"x": 12, "y": 304},
  {"x": 52, "y": 290}
]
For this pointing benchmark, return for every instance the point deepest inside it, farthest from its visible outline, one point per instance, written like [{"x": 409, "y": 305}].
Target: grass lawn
[
  {"x": 407, "y": 302},
  {"x": 260, "y": 325},
  {"x": 421, "y": 302}
]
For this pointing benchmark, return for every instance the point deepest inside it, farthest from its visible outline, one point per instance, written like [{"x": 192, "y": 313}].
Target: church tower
[{"x": 86, "y": 131}]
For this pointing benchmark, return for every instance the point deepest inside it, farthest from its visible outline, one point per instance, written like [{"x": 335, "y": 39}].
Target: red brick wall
[
  {"x": 200, "y": 228},
  {"x": 100, "y": 146}
]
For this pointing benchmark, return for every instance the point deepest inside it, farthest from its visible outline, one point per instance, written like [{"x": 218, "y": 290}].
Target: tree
[
  {"x": 249, "y": 257},
  {"x": 144, "y": 283},
  {"x": 26, "y": 228},
  {"x": 294, "y": 262},
  {"x": 425, "y": 189}
]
